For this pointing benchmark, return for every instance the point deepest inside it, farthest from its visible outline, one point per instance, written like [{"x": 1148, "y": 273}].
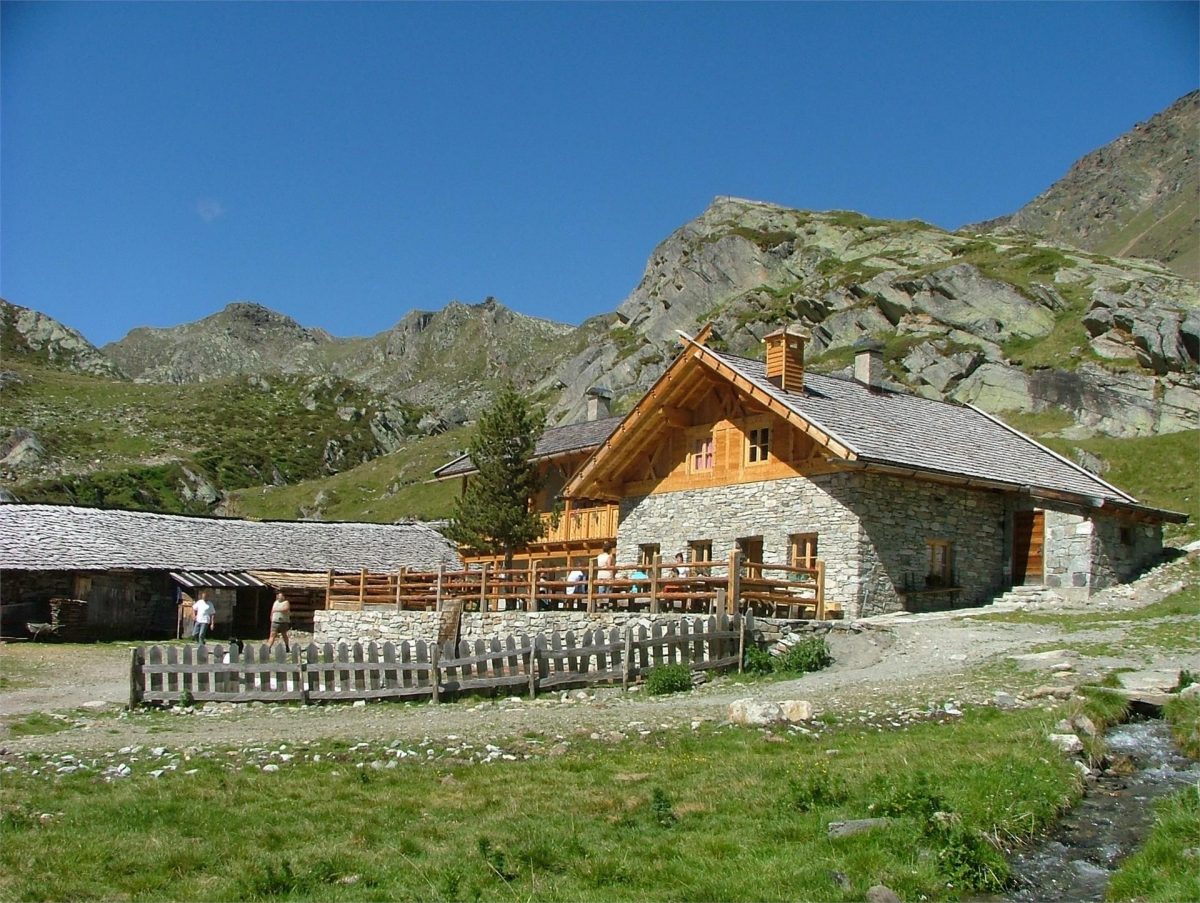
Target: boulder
[
  {"x": 21, "y": 450},
  {"x": 795, "y": 710},
  {"x": 754, "y": 713}
]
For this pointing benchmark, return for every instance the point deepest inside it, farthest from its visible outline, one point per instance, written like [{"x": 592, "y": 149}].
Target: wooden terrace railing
[
  {"x": 771, "y": 590},
  {"x": 581, "y": 524}
]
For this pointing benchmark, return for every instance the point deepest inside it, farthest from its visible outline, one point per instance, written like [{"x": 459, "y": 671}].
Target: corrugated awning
[{"x": 224, "y": 579}]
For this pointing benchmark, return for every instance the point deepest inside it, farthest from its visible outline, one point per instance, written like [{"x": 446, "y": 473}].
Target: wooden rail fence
[
  {"x": 708, "y": 587},
  {"x": 421, "y": 670}
]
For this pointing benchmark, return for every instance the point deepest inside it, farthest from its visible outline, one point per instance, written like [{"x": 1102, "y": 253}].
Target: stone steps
[{"x": 1030, "y": 595}]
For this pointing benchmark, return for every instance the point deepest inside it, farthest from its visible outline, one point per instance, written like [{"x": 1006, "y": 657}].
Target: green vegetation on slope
[
  {"x": 393, "y": 487},
  {"x": 1156, "y": 470},
  {"x": 121, "y": 444}
]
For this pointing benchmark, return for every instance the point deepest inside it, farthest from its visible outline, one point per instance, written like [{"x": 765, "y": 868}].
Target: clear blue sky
[{"x": 347, "y": 163}]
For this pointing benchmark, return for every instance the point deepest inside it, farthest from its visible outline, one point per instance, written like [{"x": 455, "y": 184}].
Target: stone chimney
[
  {"x": 599, "y": 398},
  {"x": 868, "y": 362},
  {"x": 785, "y": 358}
]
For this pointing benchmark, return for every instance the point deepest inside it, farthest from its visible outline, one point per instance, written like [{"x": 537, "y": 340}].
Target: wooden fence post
[
  {"x": 437, "y": 604},
  {"x": 820, "y": 590},
  {"x": 534, "y": 667},
  {"x": 591, "y": 588},
  {"x": 137, "y": 678},
  {"x": 302, "y": 656},
  {"x": 626, "y": 668},
  {"x": 362, "y": 588},
  {"x": 734, "y": 580},
  {"x": 483, "y": 604},
  {"x": 328, "y": 589},
  {"x": 401, "y": 575},
  {"x": 655, "y": 573},
  {"x": 434, "y": 676},
  {"x": 533, "y": 585},
  {"x": 741, "y": 643}
]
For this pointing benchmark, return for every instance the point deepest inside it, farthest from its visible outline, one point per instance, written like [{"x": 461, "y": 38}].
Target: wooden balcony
[{"x": 581, "y": 525}]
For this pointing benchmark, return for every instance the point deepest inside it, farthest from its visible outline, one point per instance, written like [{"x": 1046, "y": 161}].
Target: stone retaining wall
[{"x": 384, "y": 625}]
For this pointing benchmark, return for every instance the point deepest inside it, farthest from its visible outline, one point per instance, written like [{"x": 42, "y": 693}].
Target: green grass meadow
[{"x": 720, "y": 814}]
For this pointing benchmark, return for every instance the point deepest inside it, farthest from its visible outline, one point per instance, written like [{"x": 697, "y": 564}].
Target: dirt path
[{"x": 892, "y": 662}]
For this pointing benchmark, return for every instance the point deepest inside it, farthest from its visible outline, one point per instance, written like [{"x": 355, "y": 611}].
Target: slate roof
[
  {"x": 60, "y": 537},
  {"x": 555, "y": 441},
  {"x": 903, "y": 430}
]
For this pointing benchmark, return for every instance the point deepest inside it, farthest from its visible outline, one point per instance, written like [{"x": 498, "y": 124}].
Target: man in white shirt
[{"x": 203, "y": 613}]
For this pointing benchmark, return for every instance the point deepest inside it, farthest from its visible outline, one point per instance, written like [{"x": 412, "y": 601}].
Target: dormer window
[{"x": 759, "y": 446}]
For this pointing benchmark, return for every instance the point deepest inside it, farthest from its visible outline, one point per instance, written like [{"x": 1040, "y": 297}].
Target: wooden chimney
[{"x": 785, "y": 358}]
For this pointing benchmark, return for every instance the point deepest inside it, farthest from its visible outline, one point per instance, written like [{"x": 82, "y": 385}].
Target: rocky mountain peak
[{"x": 1138, "y": 196}]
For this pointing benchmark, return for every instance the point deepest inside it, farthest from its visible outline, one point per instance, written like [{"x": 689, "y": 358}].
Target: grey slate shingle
[
  {"x": 60, "y": 537},
  {"x": 902, "y": 430}
]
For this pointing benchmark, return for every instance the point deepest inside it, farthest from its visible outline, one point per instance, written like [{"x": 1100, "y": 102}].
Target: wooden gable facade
[{"x": 703, "y": 426}]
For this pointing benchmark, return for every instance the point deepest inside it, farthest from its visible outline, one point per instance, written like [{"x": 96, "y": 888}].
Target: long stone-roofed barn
[{"x": 134, "y": 567}]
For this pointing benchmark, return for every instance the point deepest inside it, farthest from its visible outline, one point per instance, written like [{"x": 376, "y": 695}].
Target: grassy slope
[
  {"x": 389, "y": 488},
  {"x": 1157, "y": 470},
  {"x": 124, "y": 444}
]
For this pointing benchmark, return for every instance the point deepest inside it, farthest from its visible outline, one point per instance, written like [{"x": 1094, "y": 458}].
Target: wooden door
[{"x": 1029, "y": 545}]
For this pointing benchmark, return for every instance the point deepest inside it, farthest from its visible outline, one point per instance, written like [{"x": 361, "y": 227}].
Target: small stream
[{"x": 1109, "y": 823}]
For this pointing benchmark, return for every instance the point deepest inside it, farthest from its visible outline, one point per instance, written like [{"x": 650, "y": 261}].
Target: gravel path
[{"x": 893, "y": 661}]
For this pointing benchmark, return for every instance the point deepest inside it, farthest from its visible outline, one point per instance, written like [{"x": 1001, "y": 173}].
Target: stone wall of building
[
  {"x": 1086, "y": 552},
  {"x": 902, "y": 517},
  {"x": 774, "y": 510},
  {"x": 873, "y": 531},
  {"x": 121, "y": 604},
  {"x": 1069, "y": 544},
  {"x": 25, "y": 596},
  {"x": 1123, "y": 550}
]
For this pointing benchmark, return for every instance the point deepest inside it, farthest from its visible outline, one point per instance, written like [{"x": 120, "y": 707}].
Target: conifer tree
[{"x": 493, "y": 514}]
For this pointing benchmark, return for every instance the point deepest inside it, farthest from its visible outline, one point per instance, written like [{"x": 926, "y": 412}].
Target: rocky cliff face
[
  {"x": 28, "y": 335},
  {"x": 1136, "y": 197},
  {"x": 1002, "y": 320}
]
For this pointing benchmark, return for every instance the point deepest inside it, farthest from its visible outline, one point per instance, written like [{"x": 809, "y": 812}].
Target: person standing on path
[
  {"x": 281, "y": 620},
  {"x": 203, "y": 615}
]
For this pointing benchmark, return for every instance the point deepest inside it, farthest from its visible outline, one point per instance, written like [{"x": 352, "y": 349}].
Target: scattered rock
[
  {"x": 855, "y": 826},
  {"x": 881, "y": 893},
  {"x": 1068, "y": 743},
  {"x": 1083, "y": 724}
]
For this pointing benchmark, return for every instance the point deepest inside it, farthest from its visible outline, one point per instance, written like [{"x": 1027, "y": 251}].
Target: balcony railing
[
  {"x": 582, "y": 524},
  {"x": 772, "y": 590}
]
